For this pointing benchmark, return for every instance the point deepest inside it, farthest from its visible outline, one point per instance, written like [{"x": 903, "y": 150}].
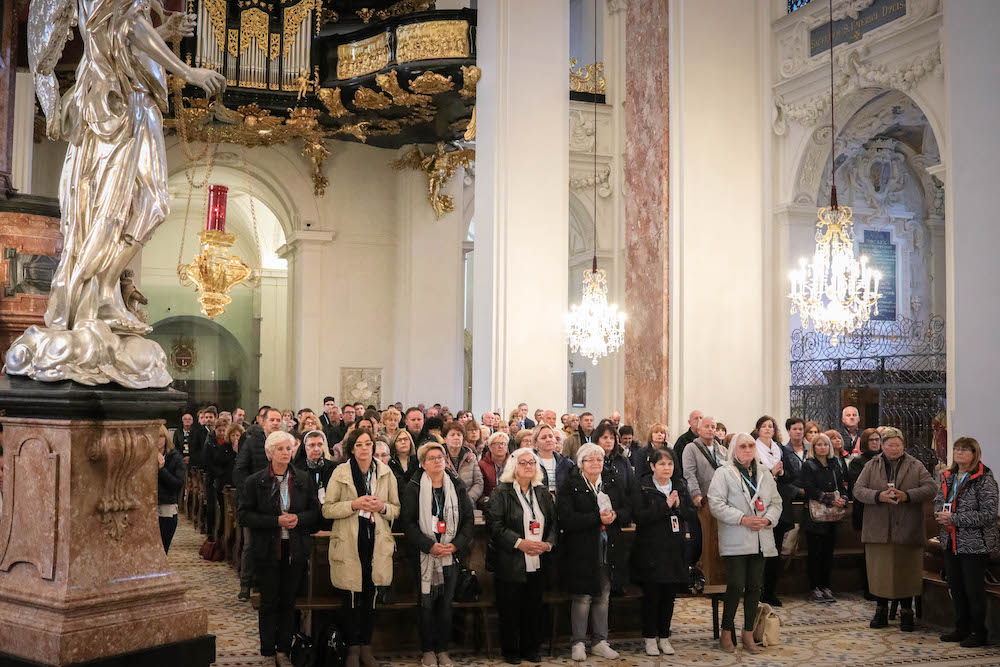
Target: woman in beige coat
[
  {"x": 894, "y": 487},
  {"x": 363, "y": 500}
]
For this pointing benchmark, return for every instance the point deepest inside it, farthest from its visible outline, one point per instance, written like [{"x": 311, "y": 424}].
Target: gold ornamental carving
[
  {"x": 183, "y": 354},
  {"x": 253, "y": 25},
  {"x": 366, "y": 98},
  {"x": 293, "y": 19},
  {"x": 389, "y": 82},
  {"x": 275, "y": 49},
  {"x": 431, "y": 83},
  {"x": 217, "y": 16},
  {"x": 330, "y": 97},
  {"x": 470, "y": 79},
  {"x": 122, "y": 451},
  {"x": 363, "y": 57},
  {"x": 432, "y": 40},
  {"x": 439, "y": 168},
  {"x": 587, "y": 78},
  {"x": 233, "y": 46},
  {"x": 401, "y": 8}
]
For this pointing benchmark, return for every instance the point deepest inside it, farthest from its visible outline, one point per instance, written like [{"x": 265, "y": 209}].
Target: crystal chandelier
[
  {"x": 835, "y": 291},
  {"x": 594, "y": 328},
  {"x": 214, "y": 271}
]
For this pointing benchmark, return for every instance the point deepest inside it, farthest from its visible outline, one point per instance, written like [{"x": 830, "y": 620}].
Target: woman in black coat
[
  {"x": 280, "y": 507},
  {"x": 169, "y": 482},
  {"x": 310, "y": 460},
  {"x": 437, "y": 516},
  {"x": 523, "y": 529},
  {"x": 661, "y": 509},
  {"x": 823, "y": 481},
  {"x": 870, "y": 444},
  {"x": 592, "y": 508}
]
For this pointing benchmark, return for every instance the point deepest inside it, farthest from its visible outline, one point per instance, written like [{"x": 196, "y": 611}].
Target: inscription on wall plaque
[
  {"x": 848, "y": 30},
  {"x": 881, "y": 253}
]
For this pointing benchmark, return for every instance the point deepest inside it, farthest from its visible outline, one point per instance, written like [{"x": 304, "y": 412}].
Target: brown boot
[
  {"x": 726, "y": 641},
  {"x": 748, "y": 643},
  {"x": 353, "y": 657},
  {"x": 367, "y": 657}
]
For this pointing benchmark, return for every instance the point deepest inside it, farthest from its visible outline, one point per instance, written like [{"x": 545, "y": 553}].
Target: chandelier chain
[{"x": 253, "y": 218}]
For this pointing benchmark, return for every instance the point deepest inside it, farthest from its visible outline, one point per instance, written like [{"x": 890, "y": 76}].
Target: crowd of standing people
[{"x": 556, "y": 499}]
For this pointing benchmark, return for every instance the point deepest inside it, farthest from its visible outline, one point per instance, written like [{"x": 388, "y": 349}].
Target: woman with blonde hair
[
  {"x": 390, "y": 422},
  {"x": 894, "y": 487},
  {"x": 553, "y": 465},
  {"x": 521, "y": 518},
  {"x": 473, "y": 435},
  {"x": 403, "y": 457},
  {"x": 169, "y": 482},
  {"x": 744, "y": 498},
  {"x": 640, "y": 456},
  {"x": 822, "y": 480}
]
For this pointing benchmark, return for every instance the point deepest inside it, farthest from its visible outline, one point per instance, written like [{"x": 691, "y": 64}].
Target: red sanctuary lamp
[{"x": 214, "y": 272}]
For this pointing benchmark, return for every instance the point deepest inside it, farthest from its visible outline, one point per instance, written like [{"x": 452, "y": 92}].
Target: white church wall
[{"x": 717, "y": 274}]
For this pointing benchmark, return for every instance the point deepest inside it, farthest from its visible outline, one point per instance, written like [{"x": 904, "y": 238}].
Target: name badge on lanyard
[
  {"x": 440, "y": 527},
  {"x": 675, "y": 524},
  {"x": 759, "y": 504},
  {"x": 535, "y": 527}
]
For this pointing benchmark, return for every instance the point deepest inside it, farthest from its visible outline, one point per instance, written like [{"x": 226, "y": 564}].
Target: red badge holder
[
  {"x": 442, "y": 527},
  {"x": 535, "y": 528},
  {"x": 759, "y": 504}
]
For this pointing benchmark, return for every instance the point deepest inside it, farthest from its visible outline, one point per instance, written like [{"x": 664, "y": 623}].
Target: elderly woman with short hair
[
  {"x": 592, "y": 509},
  {"x": 522, "y": 525},
  {"x": 280, "y": 507},
  {"x": 894, "y": 487},
  {"x": 437, "y": 518},
  {"x": 493, "y": 462},
  {"x": 744, "y": 498},
  {"x": 462, "y": 460}
]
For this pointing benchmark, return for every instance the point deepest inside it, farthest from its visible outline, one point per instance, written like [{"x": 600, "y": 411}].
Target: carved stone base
[{"x": 83, "y": 575}]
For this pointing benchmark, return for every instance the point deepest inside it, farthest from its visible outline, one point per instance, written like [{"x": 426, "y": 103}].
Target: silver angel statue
[{"x": 113, "y": 188}]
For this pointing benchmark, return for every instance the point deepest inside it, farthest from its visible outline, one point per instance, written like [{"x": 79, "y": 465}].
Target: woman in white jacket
[{"x": 744, "y": 499}]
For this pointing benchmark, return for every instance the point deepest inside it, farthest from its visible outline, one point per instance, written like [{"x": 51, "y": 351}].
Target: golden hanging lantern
[{"x": 213, "y": 271}]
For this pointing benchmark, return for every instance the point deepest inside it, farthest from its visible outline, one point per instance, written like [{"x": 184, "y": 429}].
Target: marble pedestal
[{"x": 83, "y": 575}]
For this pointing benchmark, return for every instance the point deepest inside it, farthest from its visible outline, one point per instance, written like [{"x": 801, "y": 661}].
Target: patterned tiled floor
[{"x": 836, "y": 634}]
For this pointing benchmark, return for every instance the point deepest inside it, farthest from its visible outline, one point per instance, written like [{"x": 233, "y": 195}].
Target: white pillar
[
  {"x": 24, "y": 132},
  {"x": 304, "y": 252},
  {"x": 522, "y": 171},
  {"x": 971, "y": 55},
  {"x": 429, "y": 335}
]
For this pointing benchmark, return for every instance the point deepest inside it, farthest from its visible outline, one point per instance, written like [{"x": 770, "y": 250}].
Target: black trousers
[
  {"x": 168, "y": 526},
  {"x": 966, "y": 574},
  {"x": 774, "y": 565},
  {"x": 820, "y": 559},
  {"x": 278, "y": 582},
  {"x": 209, "y": 504},
  {"x": 519, "y": 607},
  {"x": 692, "y": 546},
  {"x": 359, "y": 607},
  {"x": 657, "y": 609},
  {"x": 435, "y": 613}
]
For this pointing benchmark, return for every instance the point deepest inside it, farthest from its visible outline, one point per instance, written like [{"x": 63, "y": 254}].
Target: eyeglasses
[
  {"x": 432, "y": 459},
  {"x": 527, "y": 464}
]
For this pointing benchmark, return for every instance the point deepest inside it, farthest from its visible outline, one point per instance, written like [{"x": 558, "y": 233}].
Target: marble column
[
  {"x": 304, "y": 252},
  {"x": 8, "y": 52},
  {"x": 522, "y": 207},
  {"x": 647, "y": 153},
  {"x": 972, "y": 156}
]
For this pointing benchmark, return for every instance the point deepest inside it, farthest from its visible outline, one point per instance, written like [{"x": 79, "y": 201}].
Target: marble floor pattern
[{"x": 836, "y": 634}]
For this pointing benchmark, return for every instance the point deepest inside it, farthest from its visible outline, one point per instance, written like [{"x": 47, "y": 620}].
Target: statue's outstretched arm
[{"x": 145, "y": 36}]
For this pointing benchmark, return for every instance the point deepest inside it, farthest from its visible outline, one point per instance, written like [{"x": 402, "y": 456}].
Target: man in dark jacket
[
  {"x": 688, "y": 436},
  {"x": 203, "y": 435},
  {"x": 250, "y": 459},
  {"x": 184, "y": 435}
]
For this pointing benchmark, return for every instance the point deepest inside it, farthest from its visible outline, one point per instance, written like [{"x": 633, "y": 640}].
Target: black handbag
[
  {"x": 467, "y": 587},
  {"x": 303, "y": 653}
]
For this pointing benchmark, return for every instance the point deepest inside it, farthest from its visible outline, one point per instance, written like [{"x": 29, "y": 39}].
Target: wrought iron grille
[
  {"x": 797, "y": 4},
  {"x": 903, "y": 360}
]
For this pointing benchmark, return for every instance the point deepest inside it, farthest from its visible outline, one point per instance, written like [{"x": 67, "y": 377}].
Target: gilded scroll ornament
[
  {"x": 439, "y": 168},
  {"x": 366, "y": 98},
  {"x": 330, "y": 97},
  {"x": 398, "y": 9},
  {"x": 233, "y": 45},
  {"x": 253, "y": 25},
  {"x": 356, "y": 130},
  {"x": 389, "y": 82},
  {"x": 431, "y": 83},
  {"x": 587, "y": 78},
  {"x": 275, "y": 49},
  {"x": 432, "y": 40},
  {"x": 363, "y": 57},
  {"x": 217, "y": 15},
  {"x": 470, "y": 79},
  {"x": 293, "y": 19}
]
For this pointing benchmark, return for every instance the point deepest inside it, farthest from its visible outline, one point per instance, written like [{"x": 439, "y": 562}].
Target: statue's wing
[{"x": 50, "y": 26}]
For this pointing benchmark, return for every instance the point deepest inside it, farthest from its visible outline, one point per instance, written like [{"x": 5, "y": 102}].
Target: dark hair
[
  {"x": 263, "y": 410},
  {"x": 302, "y": 411},
  {"x": 211, "y": 408},
  {"x": 362, "y": 418},
  {"x": 658, "y": 454},
  {"x": 374, "y": 416},
  {"x": 413, "y": 409},
  {"x": 327, "y": 399},
  {"x": 760, "y": 422},
  {"x": 792, "y": 421},
  {"x": 352, "y": 438},
  {"x": 865, "y": 437},
  {"x": 602, "y": 428},
  {"x": 586, "y": 414},
  {"x": 719, "y": 426},
  {"x": 434, "y": 424},
  {"x": 626, "y": 430}
]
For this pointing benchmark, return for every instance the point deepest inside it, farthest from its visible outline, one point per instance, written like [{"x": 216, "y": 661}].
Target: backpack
[{"x": 767, "y": 628}]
